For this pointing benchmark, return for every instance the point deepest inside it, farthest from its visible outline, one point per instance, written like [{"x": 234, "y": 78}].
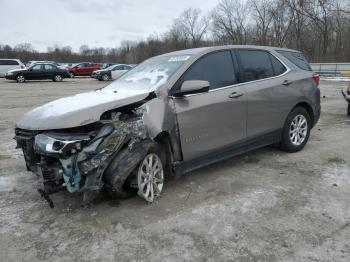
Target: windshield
[{"x": 150, "y": 74}]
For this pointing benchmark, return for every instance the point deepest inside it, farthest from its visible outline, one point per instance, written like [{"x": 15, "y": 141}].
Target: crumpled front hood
[{"x": 78, "y": 110}]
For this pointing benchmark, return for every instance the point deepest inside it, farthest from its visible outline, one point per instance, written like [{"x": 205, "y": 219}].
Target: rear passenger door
[
  {"x": 215, "y": 120},
  {"x": 268, "y": 96},
  {"x": 49, "y": 71}
]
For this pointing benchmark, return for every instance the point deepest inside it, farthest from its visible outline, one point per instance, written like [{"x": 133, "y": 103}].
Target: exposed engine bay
[{"x": 77, "y": 158}]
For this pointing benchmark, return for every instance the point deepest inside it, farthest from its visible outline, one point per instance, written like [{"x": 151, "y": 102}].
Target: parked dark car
[
  {"x": 84, "y": 69},
  {"x": 38, "y": 72},
  {"x": 111, "y": 72}
]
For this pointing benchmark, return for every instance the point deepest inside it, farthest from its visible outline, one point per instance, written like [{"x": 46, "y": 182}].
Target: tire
[
  {"x": 20, "y": 79},
  {"x": 154, "y": 188},
  {"x": 71, "y": 75},
  {"x": 57, "y": 78},
  {"x": 105, "y": 77},
  {"x": 348, "y": 109},
  {"x": 122, "y": 171},
  {"x": 295, "y": 134}
]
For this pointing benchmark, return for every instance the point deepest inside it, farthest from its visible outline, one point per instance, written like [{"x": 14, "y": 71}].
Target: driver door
[
  {"x": 214, "y": 120},
  {"x": 35, "y": 72}
]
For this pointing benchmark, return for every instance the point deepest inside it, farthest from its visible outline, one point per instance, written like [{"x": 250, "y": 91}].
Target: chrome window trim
[{"x": 254, "y": 81}]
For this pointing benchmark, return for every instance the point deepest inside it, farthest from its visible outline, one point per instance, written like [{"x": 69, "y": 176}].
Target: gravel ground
[{"x": 265, "y": 205}]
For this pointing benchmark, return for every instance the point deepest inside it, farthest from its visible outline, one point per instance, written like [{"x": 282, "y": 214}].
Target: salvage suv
[{"x": 169, "y": 115}]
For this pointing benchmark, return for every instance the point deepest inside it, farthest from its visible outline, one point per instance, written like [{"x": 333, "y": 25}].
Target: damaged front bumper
[{"x": 77, "y": 161}]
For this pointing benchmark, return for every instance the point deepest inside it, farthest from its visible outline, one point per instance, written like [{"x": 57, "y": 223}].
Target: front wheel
[
  {"x": 71, "y": 75},
  {"x": 105, "y": 77},
  {"x": 296, "y": 130},
  {"x": 150, "y": 176},
  {"x": 20, "y": 79},
  {"x": 348, "y": 109}
]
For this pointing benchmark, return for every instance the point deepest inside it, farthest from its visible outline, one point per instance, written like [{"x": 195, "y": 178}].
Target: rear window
[
  {"x": 296, "y": 58},
  {"x": 8, "y": 62}
]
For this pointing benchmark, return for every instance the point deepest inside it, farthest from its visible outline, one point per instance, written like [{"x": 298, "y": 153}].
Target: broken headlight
[{"x": 57, "y": 145}]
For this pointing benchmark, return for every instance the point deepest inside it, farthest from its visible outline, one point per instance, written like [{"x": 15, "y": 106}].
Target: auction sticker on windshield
[{"x": 178, "y": 58}]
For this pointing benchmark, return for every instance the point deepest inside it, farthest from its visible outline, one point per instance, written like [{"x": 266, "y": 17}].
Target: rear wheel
[
  {"x": 57, "y": 78},
  {"x": 105, "y": 77},
  {"x": 348, "y": 109},
  {"x": 20, "y": 79},
  {"x": 71, "y": 75},
  {"x": 296, "y": 130}
]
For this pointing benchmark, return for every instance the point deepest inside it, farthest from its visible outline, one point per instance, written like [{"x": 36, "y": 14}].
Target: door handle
[
  {"x": 235, "y": 95},
  {"x": 287, "y": 82}
]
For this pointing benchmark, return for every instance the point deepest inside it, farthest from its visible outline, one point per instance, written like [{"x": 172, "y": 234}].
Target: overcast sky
[{"x": 103, "y": 23}]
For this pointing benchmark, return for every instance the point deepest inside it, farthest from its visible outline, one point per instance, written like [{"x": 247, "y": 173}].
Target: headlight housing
[
  {"x": 47, "y": 144},
  {"x": 9, "y": 73}
]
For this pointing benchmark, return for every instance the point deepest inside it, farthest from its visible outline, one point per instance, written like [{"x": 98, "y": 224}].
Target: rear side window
[
  {"x": 255, "y": 64},
  {"x": 8, "y": 62},
  {"x": 278, "y": 67},
  {"x": 49, "y": 67},
  {"x": 216, "y": 68},
  {"x": 296, "y": 58}
]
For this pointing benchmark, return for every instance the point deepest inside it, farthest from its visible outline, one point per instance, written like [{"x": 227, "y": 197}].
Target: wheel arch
[
  {"x": 164, "y": 140},
  {"x": 307, "y": 106}
]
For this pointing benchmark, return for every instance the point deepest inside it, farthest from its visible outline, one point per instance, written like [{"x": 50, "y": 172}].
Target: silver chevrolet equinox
[{"x": 169, "y": 115}]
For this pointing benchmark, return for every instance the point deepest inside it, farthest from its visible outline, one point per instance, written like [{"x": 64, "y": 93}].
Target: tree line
[{"x": 318, "y": 28}]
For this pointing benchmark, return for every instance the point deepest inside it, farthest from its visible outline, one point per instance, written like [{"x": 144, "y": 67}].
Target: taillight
[{"x": 316, "y": 78}]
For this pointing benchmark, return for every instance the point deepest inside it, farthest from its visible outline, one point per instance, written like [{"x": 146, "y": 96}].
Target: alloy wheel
[
  {"x": 150, "y": 177},
  {"x": 105, "y": 77},
  {"x": 20, "y": 79},
  {"x": 298, "y": 130},
  {"x": 58, "y": 78}
]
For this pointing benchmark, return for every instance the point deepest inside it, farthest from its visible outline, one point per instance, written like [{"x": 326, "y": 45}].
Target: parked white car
[
  {"x": 111, "y": 73},
  {"x": 9, "y": 64}
]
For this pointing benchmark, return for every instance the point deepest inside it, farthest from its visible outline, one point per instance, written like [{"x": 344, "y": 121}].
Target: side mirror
[{"x": 193, "y": 87}]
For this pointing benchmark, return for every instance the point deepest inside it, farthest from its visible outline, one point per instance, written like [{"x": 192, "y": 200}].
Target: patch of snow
[
  {"x": 340, "y": 78},
  {"x": 338, "y": 175}
]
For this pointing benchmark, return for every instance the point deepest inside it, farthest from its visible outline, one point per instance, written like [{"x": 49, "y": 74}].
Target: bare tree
[
  {"x": 263, "y": 17},
  {"x": 192, "y": 25},
  {"x": 230, "y": 19},
  {"x": 282, "y": 19}
]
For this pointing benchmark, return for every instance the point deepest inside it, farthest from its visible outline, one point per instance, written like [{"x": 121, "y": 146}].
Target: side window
[
  {"x": 11, "y": 62},
  {"x": 278, "y": 67},
  {"x": 255, "y": 64},
  {"x": 296, "y": 58},
  {"x": 3, "y": 62},
  {"x": 36, "y": 67},
  {"x": 216, "y": 68},
  {"x": 49, "y": 67},
  {"x": 118, "y": 68}
]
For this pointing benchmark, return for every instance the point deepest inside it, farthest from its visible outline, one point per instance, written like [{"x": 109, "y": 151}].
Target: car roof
[{"x": 194, "y": 51}]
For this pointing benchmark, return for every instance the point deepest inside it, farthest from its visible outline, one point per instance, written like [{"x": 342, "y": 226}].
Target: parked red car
[{"x": 84, "y": 69}]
